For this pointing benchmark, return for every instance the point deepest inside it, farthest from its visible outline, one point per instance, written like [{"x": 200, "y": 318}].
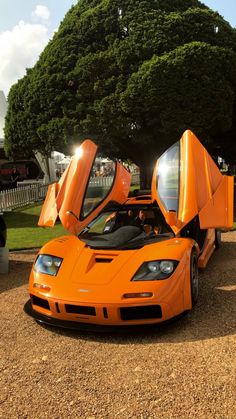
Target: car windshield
[{"x": 126, "y": 227}]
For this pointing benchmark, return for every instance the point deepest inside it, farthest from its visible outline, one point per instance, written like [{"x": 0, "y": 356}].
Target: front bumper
[
  {"x": 137, "y": 311},
  {"x": 92, "y": 327}
]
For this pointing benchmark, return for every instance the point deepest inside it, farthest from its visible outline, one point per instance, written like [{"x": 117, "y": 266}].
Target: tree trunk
[
  {"x": 146, "y": 172},
  {"x": 47, "y": 165}
]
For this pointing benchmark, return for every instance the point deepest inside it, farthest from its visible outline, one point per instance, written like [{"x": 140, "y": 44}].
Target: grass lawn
[{"x": 23, "y": 232}]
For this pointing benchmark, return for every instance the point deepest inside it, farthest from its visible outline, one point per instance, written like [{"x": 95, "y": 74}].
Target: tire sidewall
[
  {"x": 194, "y": 278},
  {"x": 217, "y": 238}
]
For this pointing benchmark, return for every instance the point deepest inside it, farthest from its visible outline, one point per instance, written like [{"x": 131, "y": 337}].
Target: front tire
[{"x": 194, "y": 283}]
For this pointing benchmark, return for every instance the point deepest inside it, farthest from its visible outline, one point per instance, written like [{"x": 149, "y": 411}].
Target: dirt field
[{"x": 184, "y": 370}]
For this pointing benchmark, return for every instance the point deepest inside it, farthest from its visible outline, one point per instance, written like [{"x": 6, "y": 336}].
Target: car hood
[
  {"x": 90, "y": 275},
  {"x": 84, "y": 265}
]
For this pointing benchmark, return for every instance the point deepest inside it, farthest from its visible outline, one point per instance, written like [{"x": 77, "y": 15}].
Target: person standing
[{"x": 15, "y": 175}]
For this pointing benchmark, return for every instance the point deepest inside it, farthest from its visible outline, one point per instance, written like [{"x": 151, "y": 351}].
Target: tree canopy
[{"x": 132, "y": 75}]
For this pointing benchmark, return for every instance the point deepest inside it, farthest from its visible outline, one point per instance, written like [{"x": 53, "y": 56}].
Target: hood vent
[
  {"x": 62, "y": 239},
  {"x": 103, "y": 260}
]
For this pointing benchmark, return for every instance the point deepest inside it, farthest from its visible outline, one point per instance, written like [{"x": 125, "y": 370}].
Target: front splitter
[{"x": 89, "y": 327}]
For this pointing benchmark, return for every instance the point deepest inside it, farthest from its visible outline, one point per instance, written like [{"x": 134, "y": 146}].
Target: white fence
[
  {"x": 15, "y": 198},
  {"x": 101, "y": 181},
  {"x": 24, "y": 195},
  {"x": 108, "y": 180}
]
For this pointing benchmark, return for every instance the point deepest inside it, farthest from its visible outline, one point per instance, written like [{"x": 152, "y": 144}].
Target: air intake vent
[
  {"x": 62, "y": 239},
  {"x": 103, "y": 260},
  {"x": 138, "y": 192},
  {"x": 80, "y": 310},
  {"x": 143, "y": 198},
  {"x": 40, "y": 302},
  {"x": 141, "y": 312}
]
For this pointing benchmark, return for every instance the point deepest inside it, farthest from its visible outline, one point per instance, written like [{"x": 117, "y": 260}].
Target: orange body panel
[
  {"x": 203, "y": 190},
  {"x": 103, "y": 285},
  {"x": 49, "y": 211},
  {"x": 218, "y": 211},
  {"x": 209, "y": 247},
  {"x": 188, "y": 188},
  {"x": 65, "y": 198}
]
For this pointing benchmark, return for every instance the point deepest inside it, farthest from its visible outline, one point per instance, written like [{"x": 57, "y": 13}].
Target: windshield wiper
[{"x": 85, "y": 230}]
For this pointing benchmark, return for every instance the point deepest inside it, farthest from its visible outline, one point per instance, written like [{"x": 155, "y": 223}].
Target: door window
[
  {"x": 100, "y": 184},
  {"x": 168, "y": 178}
]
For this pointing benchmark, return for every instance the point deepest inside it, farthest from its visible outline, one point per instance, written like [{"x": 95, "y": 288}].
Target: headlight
[
  {"x": 155, "y": 269},
  {"x": 47, "y": 264}
]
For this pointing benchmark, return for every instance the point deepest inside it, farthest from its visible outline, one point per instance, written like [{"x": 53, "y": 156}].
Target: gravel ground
[{"x": 183, "y": 370}]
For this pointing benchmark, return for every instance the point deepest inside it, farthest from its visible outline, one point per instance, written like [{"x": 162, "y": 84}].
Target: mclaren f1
[{"x": 129, "y": 260}]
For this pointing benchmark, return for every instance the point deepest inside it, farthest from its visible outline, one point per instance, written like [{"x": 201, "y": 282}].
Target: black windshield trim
[{"x": 135, "y": 244}]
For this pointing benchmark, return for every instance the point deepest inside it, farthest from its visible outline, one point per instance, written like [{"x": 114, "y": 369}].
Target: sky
[{"x": 27, "y": 25}]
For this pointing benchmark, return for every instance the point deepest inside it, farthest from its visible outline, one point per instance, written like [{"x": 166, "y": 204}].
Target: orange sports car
[{"x": 129, "y": 261}]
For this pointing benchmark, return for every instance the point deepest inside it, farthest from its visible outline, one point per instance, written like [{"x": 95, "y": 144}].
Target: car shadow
[
  {"x": 214, "y": 315},
  {"x": 19, "y": 219},
  {"x": 19, "y": 270}
]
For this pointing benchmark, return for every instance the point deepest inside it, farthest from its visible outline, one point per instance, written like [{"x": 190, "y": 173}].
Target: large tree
[{"x": 133, "y": 75}]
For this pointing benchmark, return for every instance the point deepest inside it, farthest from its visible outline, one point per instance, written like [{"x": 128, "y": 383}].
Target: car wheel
[
  {"x": 217, "y": 238},
  {"x": 194, "y": 278}
]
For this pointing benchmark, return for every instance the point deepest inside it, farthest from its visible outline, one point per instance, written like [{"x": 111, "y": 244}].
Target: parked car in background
[{"x": 26, "y": 169}]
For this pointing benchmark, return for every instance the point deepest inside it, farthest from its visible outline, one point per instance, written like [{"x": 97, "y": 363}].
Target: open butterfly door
[
  {"x": 85, "y": 188},
  {"x": 186, "y": 183}
]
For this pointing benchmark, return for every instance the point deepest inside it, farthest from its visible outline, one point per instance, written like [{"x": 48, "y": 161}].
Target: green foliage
[
  {"x": 131, "y": 74},
  {"x": 189, "y": 80}
]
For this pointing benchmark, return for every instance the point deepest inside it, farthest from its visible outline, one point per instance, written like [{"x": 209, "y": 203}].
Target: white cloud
[
  {"x": 41, "y": 12},
  {"x": 20, "y": 49}
]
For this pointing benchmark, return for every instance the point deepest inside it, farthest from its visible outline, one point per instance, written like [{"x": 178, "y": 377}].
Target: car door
[
  {"x": 186, "y": 183},
  {"x": 85, "y": 188}
]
